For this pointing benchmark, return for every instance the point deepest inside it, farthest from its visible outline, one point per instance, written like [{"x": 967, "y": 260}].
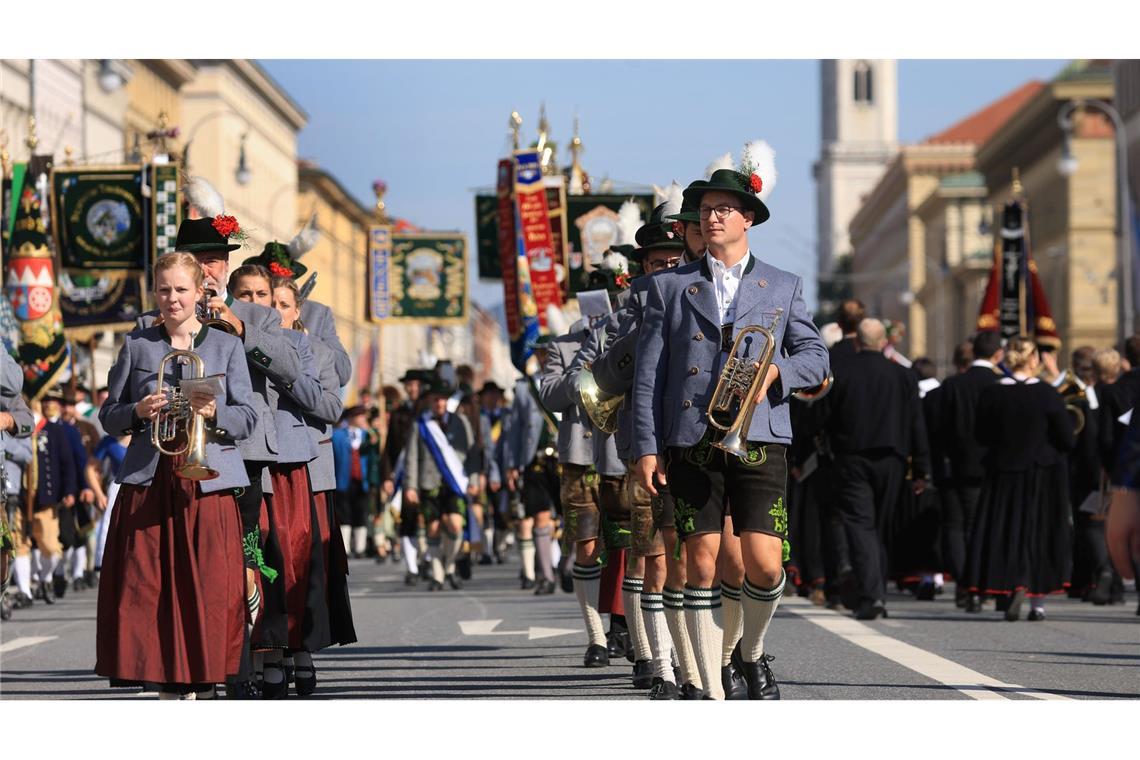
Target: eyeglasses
[
  {"x": 722, "y": 212},
  {"x": 658, "y": 265}
]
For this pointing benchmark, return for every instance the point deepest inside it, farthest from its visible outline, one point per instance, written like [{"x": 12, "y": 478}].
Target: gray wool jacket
[
  {"x": 291, "y": 400},
  {"x": 321, "y": 416},
  {"x": 558, "y": 392},
  {"x": 422, "y": 473},
  {"x": 321, "y": 324},
  {"x": 135, "y": 375},
  {"x": 607, "y": 461}
]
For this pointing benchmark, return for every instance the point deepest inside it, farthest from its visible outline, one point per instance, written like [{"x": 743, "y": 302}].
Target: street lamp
[
  {"x": 242, "y": 173},
  {"x": 1068, "y": 165}
]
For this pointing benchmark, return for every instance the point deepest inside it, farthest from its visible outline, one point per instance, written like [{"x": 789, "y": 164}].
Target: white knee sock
[
  {"x": 23, "y": 572},
  {"x": 674, "y": 600},
  {"x": 79, "y": 563},
  {"x": 759, "y": 607},
  {"x": 526, "y": 553},
  {"x": 435, "y": 551},
  {"x": 47, "y": 567},
  {"x": 707, "y": 638},
  {"x": 61, "y": 568},
  {"x": 653, "y": 613},
  {"x": 411, "y": 556},
  {"x": 346, "y": 536},
  {"x": 555, "y": 553},
  {"x": 488, "y": 538},
  {"x": 359, "y": 539},
  {"x": 587, "y": 582},
  {"x": 732, "y": 613},
  {"x": 631, "y": 600}
]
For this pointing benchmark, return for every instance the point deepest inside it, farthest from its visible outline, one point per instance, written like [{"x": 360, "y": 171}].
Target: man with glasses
[{"x": 690, "y": 320}]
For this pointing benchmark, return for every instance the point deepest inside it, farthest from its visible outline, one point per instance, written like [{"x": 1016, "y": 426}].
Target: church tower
[{"x": 859, "y": 137}]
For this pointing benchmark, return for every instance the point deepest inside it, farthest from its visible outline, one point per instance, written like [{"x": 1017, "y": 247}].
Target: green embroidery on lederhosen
[
  {"x": 779, "y": 515},
  {"x": 757, "y": 454},
  {"x": 251, "y": 547},
  {"x": 787, "y": 551},
  {"x": 684, "y": 516},
  {"x": 701, "y": 452},
  {"x": 590, "y": 478}
]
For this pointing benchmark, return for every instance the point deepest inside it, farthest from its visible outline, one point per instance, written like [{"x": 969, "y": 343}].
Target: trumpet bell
[
  {"x": 733, "y": 443},
  {"x": 196, "y": 471},
  {"x": 601, "y": 407}
]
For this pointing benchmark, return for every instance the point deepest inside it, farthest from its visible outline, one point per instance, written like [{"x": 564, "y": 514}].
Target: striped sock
[
  {"x": 674, "y": 600},
  {"x": 759, "y": 607},
  {"x": 631, "y": 599},
  {"x": 526, "y": 553},
  {"x": 733, "y": 615},
  {"x": 706, "y": 637},
  {"x": 587, "y": 581},
  {"x": 253, "y": 601},
  {"x": 653, "y": 612}
]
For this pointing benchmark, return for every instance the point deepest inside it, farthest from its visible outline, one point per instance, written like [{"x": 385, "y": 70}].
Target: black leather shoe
[
  {"x": 463, "y": 567},
  {"x": 690, "y": 692},
  {"x": 761, "y": 682},
  {"x": 870, "y": 610},
  {"x": 596, "y": 656},
  {"x": 21, "y": 600},
  {"x": 961, "y": 596},
  {"x": 567, "y": 582},
  {"x": 545, "y": 588},
  {"x": 411, "y": 579},
  {"x": 454, "y": 582},
  {"x": 973, "y": 603},
  {"x": 925, "y": 592},
  {"x": 242, "y": 690},
  {"x": 59, "y": 585},
  {"x": 642, "y": 674},
  {"x": 732, "y": 676},
  {"x": 662, "y": 689},
  {"x": 849, "y": 589},
  {"x": 1001, "y": 602},
  {"x": 486, "y": 560},
  {"x": 46, "y": 595},
  {"x": 434, "y": 585},
  {"x": 527, "y": 584},
  {"x": 273, "y": 689},
  {"x": 1036, "y": 614},
  {"x": 305, "y": 680},
  {"x": 1013, "y": 611},
  {"x": 1102, "y": 592}
]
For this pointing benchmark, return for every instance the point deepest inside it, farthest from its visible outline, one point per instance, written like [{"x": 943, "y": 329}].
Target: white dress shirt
[{"x": 726, "y": 284}]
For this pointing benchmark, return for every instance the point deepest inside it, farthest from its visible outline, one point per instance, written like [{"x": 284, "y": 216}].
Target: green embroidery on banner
[
  {"x": 251, "y": 548},
  {"x": 779, "y": 515}
]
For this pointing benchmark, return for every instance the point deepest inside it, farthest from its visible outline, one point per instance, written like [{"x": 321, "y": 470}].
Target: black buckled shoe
[
  {"x": 663, "y": 690},
  {"x": 690, "y": 692},
  {"x": 643, "y": 674},
  {"x": 761, "y": 682},
  {"x": 596, "y": 656},
  {"x": 305, "y": 680}
]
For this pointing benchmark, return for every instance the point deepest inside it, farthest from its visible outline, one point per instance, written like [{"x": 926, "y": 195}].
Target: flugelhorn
[
  {"x": 601, "y": 407},
  {"x": 740, "y": 381},
  {"x": 1072, "y": 388},
  {"x": 178, "y": 421}
]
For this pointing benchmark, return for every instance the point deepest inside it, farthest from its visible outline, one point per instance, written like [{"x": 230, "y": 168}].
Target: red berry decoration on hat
[
  {"x": 755, "y": 184},
  {"x": 227, "y": 226}
]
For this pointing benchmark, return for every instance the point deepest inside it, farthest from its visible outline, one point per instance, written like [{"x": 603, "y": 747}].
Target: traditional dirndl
[
  {"x": 171, "y": 607},
  {"x": 1022, "y": 535}
]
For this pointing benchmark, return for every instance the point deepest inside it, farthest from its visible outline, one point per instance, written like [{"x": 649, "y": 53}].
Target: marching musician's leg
[
  {"x": 579, "y": 501},
  {"x": 673, "y": 595},
  {"x": 730, "y": 571},
  {"x": 647, "y": 549}
]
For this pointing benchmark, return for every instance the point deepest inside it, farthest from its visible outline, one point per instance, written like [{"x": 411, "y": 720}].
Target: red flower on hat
[
  {"x": 279, "y": 270},
  {"x": 755, "y": 183},
  {"x": 227, "y": 226},
  {"x": 622, "y": 280},
  {"x": 678, "y": 230}
]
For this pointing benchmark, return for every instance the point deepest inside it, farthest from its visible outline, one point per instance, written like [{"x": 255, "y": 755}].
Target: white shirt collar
[
  {"x": 982, "y": 363},
  {"x": 736, "y": 270}
]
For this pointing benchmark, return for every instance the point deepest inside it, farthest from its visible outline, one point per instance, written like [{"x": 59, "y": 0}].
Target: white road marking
[
  {"x": 970, "y": 682},
  {"x": 24, "y": 641},
  {"x": 487, "y": 628}
]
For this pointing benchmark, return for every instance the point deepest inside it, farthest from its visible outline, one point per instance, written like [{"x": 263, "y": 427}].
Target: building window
[{"x": 863, "y": 83}]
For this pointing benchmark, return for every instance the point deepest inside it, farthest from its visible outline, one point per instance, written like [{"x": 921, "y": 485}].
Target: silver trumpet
[
  {"x": 740, "y": 381},
  {"x": 177, "y": 421}
]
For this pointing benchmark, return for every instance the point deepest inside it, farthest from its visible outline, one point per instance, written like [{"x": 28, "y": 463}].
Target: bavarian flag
[{"x": 34, "y": 297}]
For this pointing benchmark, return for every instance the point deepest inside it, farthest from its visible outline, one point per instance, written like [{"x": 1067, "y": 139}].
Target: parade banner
[
  {"x": 32, "y": 293},
  {"x": 536, "y": 240},
  {"x": 487, "y": 229},
  {"x": 166, "y": 210},
  {"x": 91, "y": 301},
  {"x": 1015, "y": 302},
  {"x": 518, "y": 304},
  {"x": 592, "y": 226},
  {"x": 98, "y": 215},
  {"x": 418, "y": 277}
]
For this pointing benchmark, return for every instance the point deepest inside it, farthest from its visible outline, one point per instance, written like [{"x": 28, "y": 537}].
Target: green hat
[
  {"x": 688, "y": 213},
  {"x": 613, "y": 275},
  {"x": 743, "y": 186},
  {"x": 657, "y": 233},
  {"x": 208, "y": 235},
  {"x": 275, "y": 257}
]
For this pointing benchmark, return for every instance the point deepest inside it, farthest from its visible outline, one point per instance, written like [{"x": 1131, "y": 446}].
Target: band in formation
[{"x": 679, "y": 461}]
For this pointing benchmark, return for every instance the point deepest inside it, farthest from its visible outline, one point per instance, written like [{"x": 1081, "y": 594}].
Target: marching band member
[
  {"x": 413, "y": 534},
  {"x": 690, "y": 318},
  {"x": 16, "y": 425},
  {"x": 438, "y": 480},
  {"x": 171, "y": 608}
]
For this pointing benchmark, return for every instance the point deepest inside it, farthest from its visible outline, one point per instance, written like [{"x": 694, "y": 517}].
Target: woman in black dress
[{"x": 1022, "y": 540}]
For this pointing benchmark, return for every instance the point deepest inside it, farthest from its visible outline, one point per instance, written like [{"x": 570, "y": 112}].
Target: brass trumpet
[
  {"x": 212, "y": 317},
  {"x": 601, "y": 407},
  {"x": 178, "y": 421},
  {"x": 740, "y": 380},
  {"x": 1071, "y": 389}
]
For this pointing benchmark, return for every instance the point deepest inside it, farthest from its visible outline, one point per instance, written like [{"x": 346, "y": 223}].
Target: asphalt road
[{"x": 415, "y": 644}]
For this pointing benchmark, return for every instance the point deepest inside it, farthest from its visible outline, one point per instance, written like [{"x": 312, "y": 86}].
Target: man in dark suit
[
  {"x": 876, "y": 423},
  {"x": 956, "y": 415}
]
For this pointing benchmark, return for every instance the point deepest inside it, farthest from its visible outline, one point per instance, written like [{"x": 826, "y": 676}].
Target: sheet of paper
[{"x": 215, "y": 385}]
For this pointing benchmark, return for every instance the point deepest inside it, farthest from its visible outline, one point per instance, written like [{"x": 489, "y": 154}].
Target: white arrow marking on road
[
  {"x": 487, "y": 628},
  {"x": 24, "y": 641}
]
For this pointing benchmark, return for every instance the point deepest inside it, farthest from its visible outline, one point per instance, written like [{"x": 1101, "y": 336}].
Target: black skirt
[{"x": 1022, "y": 533}]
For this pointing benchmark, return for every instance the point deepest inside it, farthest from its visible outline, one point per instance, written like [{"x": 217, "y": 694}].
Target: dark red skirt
[{"x": 171, "y": 604}]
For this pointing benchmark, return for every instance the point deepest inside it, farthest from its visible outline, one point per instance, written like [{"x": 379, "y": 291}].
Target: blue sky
[{"x": 434, "y": 130}]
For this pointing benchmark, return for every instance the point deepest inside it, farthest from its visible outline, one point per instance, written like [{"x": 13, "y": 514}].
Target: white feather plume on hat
[
  {"x": 203, "y": 196},
  {"x": 674, "y": 197},
  {"x": 720, "y": 162},
  {"x": 759, "y": 158},
  {"x": 304, "y": 240},
  {"x": 615, "y": 262},
  {"x": 629, "y": 221}
]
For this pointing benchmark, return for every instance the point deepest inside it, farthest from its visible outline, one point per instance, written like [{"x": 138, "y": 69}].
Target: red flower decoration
[
  {"x": 279, "y": 270},
  {"x": 678, "y": 230},
  {"x": 622, "y": 280},
  {"x": 227, "y": 226},
  {"x": 755, "y": 183}
]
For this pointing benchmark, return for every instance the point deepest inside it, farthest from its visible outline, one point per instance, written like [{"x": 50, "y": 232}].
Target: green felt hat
[
  {"x": 276, "y": 258},
  {"x": 743, "y": 186}
]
